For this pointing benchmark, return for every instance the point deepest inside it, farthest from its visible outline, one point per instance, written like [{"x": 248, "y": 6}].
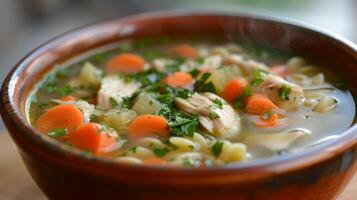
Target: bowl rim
[{"x": 271, "y": 166}]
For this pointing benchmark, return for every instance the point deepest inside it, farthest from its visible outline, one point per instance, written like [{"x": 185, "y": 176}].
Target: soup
[{"x": 190, "y": 103}]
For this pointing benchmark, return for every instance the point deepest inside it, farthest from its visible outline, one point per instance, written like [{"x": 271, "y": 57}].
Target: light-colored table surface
[{"x": 16, "y": 183}]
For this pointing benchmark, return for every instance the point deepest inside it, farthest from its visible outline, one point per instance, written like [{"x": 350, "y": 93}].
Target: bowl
[{"x": 321, "y": 172}]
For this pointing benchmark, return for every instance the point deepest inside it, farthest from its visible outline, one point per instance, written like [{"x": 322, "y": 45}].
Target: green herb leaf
[
  {"x": 113, "y": 102},
  {"x": 66, "y": 90},
  {"x": 132, "y": 149},
  {"x": 201, "y": 85},
  {"x": 257, "y": 77},
  {"x": 213, "y": 115},
  {"x": 159, "y": 152},
  {"x": 194, "y": 72},
  {"x": 183, "y": 93},
  {"x": 93, "y": 118},
  {"x": 183, "y": 126},
  {"x": 58, "y": 132},
  {"x": 284, "y": 92},
  {"x": 216, "y": 149},
  {"x": 187, "y": 162},
  {"x": 239, "y": 100},
  {"x": 217, "y": 103}
]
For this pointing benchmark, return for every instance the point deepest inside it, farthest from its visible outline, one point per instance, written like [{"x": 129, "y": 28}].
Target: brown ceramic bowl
[{"x": 317, "y": 173}]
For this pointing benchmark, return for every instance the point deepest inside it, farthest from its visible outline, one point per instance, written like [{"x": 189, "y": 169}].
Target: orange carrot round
[
  {"x": 154, "y": 161},
  {"x": 185, "y": 51},
  {"x": 127, "y": 63},
  {"x": 258, "y": 104},
  {"x": 61, "y": 116},
  {"x": 271, "y": 121},
  {"x": 90, "y": 137},
  {"x": 178, "y": 79},
  {"x": 234, "y": 88},
  {"x": 147, "y": 124},
  {"x": 68, "y": 98}
]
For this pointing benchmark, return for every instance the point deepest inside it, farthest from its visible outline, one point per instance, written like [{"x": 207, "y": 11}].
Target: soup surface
[{"x": 189, "y": 103}]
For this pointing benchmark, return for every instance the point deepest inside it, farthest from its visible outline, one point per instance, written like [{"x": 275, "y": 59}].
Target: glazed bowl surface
[{"x": 321, "y": 172}]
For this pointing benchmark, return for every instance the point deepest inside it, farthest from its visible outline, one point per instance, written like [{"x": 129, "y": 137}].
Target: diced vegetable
[
  {"x": 146, "y": 104},
  {"x": 90, "y": 74},
  {"x": 185, "y": 51},
  {"x": 127, "y": 63},
  {"x": 146, "y": 125},
  {"x": 90, "y": 137},
  {"x": 326, "y": 104},
  {"x": 220, "y": 77},
  {"x": 267, "y": 120},
  {"x": 119, "y": 120},
  {"x": 178, "y": 79},
  {"x": 234, "y": 88},
  {"x": 62, "y": 116},
  {"x": 257, "y": 104},
  {"x": 68, "y": 98}
]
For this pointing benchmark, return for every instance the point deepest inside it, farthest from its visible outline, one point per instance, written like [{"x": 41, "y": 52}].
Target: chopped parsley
[
  {"x": 160, "y": 152},
  {"x": 284, "y": 92},
  {"x": 213, "y": 115},
  {"x": 194, "y": 72},
  {"x": 58, "y": 132},
  {"x": 93, "y": 118},
  {"x": 126, "y": 101},
  {"x": 239, "y": 100},
  {"x": 183, "y": 126},
  {"x": 187, "y": 162},
  {"x": 216, "y": 149},
  {"x": 183, "y": 93},
  {"x": 257, "y": 77},
  {"x": 217, "y": 103},
  {"x": 132, "y": 149},
  {"x": 203, "y": 85},
  {"x": 113, "y": 102},
  {"x": 65, "y": 90},
  {"x": 50, "y": 84},
  {"x": 176, "y": 66}
]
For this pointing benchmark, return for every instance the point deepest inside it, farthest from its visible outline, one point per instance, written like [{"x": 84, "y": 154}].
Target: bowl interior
[{"x": 315, "y": 46}]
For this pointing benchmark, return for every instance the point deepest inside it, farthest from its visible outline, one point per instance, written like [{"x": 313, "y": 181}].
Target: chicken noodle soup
[{"x": 190, "y": 104}]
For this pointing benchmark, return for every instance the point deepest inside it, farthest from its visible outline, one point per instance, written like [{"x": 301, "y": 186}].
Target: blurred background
[{"x": 25, "y": 24}]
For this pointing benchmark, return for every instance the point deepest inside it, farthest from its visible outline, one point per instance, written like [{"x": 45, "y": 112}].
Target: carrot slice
[
  {"x": 258, "y": 104},
  {"x": 61, "y": 116},
  {"x": 127, "y": 63},
  {"x": 154, "y": 161},
  {"x": 178, "y": 79},
  {"x": 90, "y": 137},
  {"x": 272, "y": 120},
  {"x": 234, "y": 88},
  {"x": 185, "y": 51},
  {"x": 147, "y": 124},
  {"x": 68, "y": 98}
]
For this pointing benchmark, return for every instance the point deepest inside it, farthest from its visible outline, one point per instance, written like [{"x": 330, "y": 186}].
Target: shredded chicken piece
[
  {"x": 246, "y": 65},
  {"x": 116, "y": 88},
  {"x": 221, "y": 122},
  {"x": 272, "y": 84},
  {"x": 274, "y": 141}
]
